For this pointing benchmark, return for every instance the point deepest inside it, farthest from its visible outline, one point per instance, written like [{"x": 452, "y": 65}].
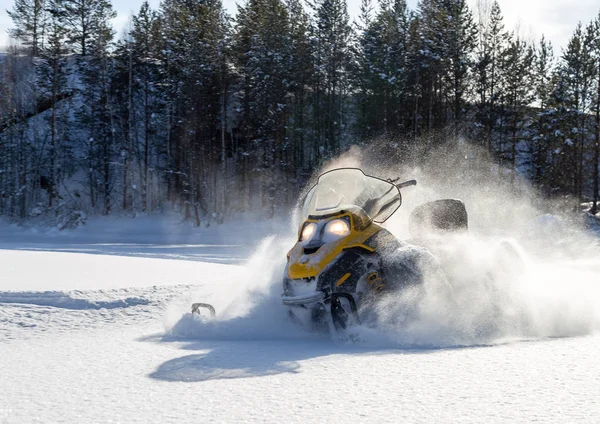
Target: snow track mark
[
  {"x": 28, "y": 314},
  {"x": 66, "y": 300}
]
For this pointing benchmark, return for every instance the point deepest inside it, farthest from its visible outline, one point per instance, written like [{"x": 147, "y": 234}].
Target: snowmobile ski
[{"x": 196, "y": 307}]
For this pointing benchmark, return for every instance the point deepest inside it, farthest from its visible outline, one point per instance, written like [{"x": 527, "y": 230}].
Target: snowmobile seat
[{"x": 439, "y": 217}]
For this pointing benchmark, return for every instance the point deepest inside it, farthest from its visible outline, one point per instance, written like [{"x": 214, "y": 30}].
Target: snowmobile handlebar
[
  {"x": 396, "y": 197},
  {"x": 406, "y": 184}
]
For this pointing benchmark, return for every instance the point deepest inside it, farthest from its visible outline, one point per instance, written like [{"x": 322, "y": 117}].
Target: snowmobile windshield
[{"x": 346, "y": 188}]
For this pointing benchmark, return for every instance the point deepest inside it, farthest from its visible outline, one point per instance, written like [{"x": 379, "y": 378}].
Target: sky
[{"x": 556, "y": 19}]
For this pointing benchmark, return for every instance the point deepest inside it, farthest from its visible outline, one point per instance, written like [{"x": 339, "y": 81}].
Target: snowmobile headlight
[
  {"x": 308, "y": 231},
  {"x": 337, "y": 228}
]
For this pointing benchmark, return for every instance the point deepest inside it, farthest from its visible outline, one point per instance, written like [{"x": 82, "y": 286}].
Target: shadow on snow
[{"x": 218, "y": 360}]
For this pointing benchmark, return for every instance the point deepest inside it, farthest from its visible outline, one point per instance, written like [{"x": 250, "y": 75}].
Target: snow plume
[
  {"x": 498, "y": 295},
  {"x": 525, "y": 270},
  {"x": 248, "y": 308}
]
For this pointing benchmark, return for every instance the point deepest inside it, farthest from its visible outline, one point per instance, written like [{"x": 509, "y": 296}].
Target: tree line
[{"x": 212, "y": 114}]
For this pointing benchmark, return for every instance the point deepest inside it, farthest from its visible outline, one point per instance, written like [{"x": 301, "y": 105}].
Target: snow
[
  {"x": 31, "y": 270},
  {"x": 94, "y": 327},
  {"x": 126, "y": 377}
]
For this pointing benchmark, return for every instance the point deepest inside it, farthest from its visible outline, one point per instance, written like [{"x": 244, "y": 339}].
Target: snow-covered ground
[{"x": 94, "y": 328}]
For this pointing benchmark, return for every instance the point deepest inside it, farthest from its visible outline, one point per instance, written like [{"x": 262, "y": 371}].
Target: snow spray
[
  {"x": 249, "y": 308},
  {"x": 526, "y": 269}
]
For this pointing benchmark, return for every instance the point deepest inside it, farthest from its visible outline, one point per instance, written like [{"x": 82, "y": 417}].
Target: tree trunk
[
  {"x": 146, "y": 143},
  {"x": 52, "y": 176},
  {"x": 597, "y": 150}
]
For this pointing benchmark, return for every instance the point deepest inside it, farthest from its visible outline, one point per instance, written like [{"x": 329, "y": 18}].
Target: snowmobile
[{"x": 344, "y": 260}]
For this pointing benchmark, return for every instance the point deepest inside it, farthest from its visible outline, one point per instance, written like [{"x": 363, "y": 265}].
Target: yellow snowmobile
[{"x": 344, "y": 259}]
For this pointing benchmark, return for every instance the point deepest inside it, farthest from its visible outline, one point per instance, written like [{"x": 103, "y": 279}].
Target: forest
[{"x": 211, "y": 115}]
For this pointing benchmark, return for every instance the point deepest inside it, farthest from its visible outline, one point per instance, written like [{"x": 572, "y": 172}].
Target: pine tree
[
  {"x": 518, "y": 94},
  {"x": 173, "y": 47},
  {"x": 195, "y": 69},
  {"x": 429, "y": 60},
  {"x": 363, "y": 71},
  {"x": 89, "y": 27},
  {"x": 122, "y": 90},
  {"x": 86, "y": 21},
  {"x": 265, "y": 60},
  {"x": 416, "y": 76},
  {"x": 541, "y": 142},
  {"x": 53, "y": 71},
  {"x": 594, "y": 33},
  {"x": 544, "y": 65},
  {"x": 17, "y": 147},
  {"x": 493, "y": 44},
  {"x": 301, "y": 75},
  {"x": 461, "y": 42},
  {"x": 388, "y": 62},
  {"x": 577, "y": 75},
  {"x": 144, "y": 35},
  {"x": 448, "y": 37},
  {"x": 557, "y": 123},
  {"x": 140, "y": 110},
  {"x": 29, "y": 18},
  {"x": 332, "y": 38}
]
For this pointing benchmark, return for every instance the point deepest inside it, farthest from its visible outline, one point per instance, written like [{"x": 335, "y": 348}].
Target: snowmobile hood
[{"x": 308, "y": 259}]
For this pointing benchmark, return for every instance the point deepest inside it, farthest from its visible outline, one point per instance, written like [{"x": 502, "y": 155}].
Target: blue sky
[{"x": 554, "y": 18}]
